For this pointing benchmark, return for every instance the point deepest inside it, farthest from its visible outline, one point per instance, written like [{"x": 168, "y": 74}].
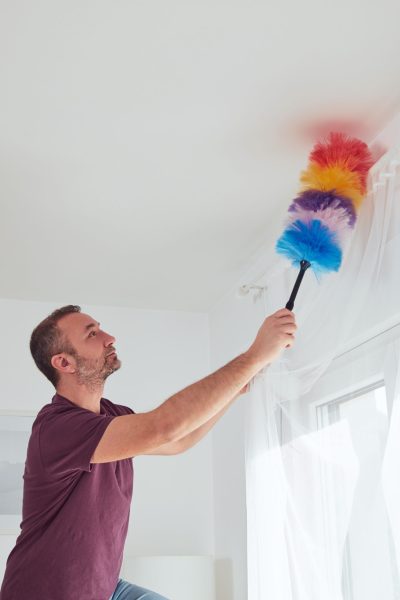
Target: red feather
[{"x": 346, "y": 151}]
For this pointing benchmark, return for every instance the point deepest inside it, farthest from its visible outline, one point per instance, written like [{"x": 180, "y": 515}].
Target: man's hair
[{"x": 47, "y": 340}]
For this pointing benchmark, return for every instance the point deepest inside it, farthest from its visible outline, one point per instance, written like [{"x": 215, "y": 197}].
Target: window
[
  {"x": 352, "y": 401},
  {"x": 369, "y": 569}
]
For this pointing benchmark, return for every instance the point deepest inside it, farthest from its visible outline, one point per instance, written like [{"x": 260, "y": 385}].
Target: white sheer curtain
[{"x": 301, "y": 485}]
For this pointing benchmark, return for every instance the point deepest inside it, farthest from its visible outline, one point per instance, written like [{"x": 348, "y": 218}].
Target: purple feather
[
  {"x": 316, "y": 200},
  {"x": 336, "y": 219}
]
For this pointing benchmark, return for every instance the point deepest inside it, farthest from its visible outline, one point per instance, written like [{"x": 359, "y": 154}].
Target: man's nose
[{"x": 110, "y": 339}]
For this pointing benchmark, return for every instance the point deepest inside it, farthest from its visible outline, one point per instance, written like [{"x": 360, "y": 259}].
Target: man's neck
[{"x": 82, "y": 396}]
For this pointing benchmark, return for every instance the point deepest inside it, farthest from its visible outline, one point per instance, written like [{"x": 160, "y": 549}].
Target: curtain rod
[
  {"x": 391, "y": 155},
  {"x": 366, "y": 341}
]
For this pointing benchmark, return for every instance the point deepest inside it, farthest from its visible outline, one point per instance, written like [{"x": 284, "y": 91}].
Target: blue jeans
[{"x": 128, "y": 591}]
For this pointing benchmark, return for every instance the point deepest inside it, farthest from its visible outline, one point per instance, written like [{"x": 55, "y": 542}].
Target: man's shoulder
[
  {"x": 56, "y": 409},
  {"x": 45, "y": 410},
  {"x": 116, "y": 409}
]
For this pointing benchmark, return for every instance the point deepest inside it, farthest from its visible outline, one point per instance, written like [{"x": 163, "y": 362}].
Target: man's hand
[{"x": 275, "y": 334}]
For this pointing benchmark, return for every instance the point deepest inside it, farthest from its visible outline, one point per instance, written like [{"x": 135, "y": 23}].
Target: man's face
[{"x": 92, "y": 351}]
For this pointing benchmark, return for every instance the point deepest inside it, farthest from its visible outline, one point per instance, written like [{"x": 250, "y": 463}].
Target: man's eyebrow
[{"x": 91, "y": 325}]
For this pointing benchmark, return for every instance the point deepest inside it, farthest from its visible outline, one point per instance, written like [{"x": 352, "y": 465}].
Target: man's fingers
[
  {"x": 286, "y": 321},
  {"x": 283, "y": 312}
]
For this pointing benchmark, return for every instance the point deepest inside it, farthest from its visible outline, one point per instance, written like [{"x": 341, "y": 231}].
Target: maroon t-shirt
[{"x": 75, "y": 514}]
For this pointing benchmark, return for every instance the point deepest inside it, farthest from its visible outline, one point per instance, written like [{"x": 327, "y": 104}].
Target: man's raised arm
[{"x": 192, "y": 407}]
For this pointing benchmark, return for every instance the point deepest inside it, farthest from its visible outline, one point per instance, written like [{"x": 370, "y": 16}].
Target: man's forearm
[
  {"x": 195, "y": 405},
  {"x": 192, "y": 438}
]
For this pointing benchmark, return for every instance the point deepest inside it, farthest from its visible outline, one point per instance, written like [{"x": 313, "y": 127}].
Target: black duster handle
[{"x": 304, "y": 264}]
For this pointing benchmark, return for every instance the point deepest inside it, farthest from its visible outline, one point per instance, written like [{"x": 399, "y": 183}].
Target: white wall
[
  {"x": 234, "y": 323},
  {"x": 161, "y": 353}
]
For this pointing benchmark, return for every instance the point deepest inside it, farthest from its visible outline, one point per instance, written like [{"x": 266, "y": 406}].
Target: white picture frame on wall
[{"x": 15, "y": 431}]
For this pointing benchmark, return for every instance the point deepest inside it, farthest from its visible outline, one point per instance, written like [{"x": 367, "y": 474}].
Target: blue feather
[{"x": 311, "y": 241}]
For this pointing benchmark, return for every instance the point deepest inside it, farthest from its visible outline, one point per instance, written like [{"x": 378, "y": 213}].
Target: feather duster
[{"x": 332, "y": 190}]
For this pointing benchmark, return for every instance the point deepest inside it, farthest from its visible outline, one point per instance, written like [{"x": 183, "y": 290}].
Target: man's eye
[{"x": 94, "y": 333}]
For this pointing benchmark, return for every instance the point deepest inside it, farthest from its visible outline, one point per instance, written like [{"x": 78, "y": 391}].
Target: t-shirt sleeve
[
  {"x": 69, "y": 439},
  {"x": 128, "y": 410}
]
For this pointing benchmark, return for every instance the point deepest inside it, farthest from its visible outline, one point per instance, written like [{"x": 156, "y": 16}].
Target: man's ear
[{"x": 62, "y": 362}]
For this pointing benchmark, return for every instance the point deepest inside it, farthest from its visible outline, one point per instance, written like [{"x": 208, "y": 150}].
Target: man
[{"x": 78, "y": 471}]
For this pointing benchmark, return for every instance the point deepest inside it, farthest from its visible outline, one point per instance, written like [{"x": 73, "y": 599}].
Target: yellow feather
[{"x": 346, "y": 183}]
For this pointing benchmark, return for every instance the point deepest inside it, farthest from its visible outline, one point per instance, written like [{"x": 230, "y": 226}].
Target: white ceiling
[{"x": 149, "y": 148}]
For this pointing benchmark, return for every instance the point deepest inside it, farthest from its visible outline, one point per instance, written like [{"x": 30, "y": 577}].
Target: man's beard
[{"x": 93, "y": 372}]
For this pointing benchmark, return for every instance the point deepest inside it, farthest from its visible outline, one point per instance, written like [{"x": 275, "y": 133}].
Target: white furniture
[{"x": 176, "y": 577}]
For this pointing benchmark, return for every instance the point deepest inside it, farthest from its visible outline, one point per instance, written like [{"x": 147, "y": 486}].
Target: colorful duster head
[{"x": 333, "y": 187}]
